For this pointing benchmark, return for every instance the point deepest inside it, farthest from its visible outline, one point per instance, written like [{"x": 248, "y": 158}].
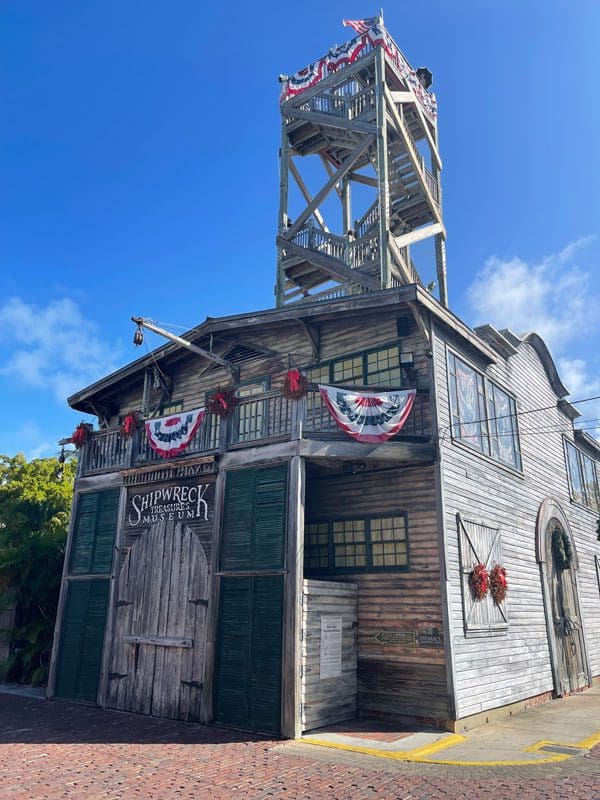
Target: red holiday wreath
[
  {"x": 498, "y": 583},
  {"x": 295, "y": 384},
  {"x": 222, "y": 402},
  {"x": 479, "y": 581},
  {"x": 81, "y": 433},
  {"x": 130, "y": 424}
]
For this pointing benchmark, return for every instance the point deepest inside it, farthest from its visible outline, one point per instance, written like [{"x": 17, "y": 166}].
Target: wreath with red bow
[
  {"x": 479, "y": 581},
  {"x": 81, "y": 434},
  {"x": 295, "y": 384},
  {"x": 131, "y": 422},
  {"x": 222, "y": 402},
  {"x": 498, "y": 583}
]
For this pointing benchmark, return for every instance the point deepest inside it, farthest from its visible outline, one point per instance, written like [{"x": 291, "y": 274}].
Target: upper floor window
[
  {"x": 171, "y": 408},
  {"x": 583, "y": 477},
  {"x": 483, "y": 416},
  {"x": 378, "y": 367}
]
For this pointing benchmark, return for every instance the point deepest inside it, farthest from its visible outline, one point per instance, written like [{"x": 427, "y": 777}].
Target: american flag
[{"x": 360, "y": 25}]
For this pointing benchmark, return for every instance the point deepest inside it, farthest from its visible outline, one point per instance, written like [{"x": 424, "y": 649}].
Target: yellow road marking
[{"x": 421, "y": 754}]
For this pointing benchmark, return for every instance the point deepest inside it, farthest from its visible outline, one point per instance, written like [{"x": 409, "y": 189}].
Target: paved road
[{"x": 60, "y": 751}]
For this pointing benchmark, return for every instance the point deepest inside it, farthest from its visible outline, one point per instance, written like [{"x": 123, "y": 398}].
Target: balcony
[{"x": 259, "y": 420}]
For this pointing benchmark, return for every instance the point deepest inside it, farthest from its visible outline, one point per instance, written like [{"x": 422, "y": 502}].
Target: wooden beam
[
  {"x": 329, "y": 171},
  {"x": 402, "y": 265},
  {"x": 416, "y": 236},
  {"x": 364, "y": 179},
  {"x": 331, "y": 266},
  {"x": 383, "y": 188},
  {"x": 306, "y": 194},
  {"x": 395, "y": 451},
  {"x": 335, "y": 179},
  {"x": 291, "y": 718},
  {"x": 416, "y": 312},
  {"x": 332, "y": 121}
]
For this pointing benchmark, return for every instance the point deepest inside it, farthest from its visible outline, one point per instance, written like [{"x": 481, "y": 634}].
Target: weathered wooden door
[
  {"x": 566, "y": 620},
  {"x": 160, "y": 625}
]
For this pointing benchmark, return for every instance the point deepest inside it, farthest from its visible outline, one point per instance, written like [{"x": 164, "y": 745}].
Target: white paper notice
[{"x": 331, "y": 647}]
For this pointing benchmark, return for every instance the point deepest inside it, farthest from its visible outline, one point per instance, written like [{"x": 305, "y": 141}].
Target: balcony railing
[{"x": 260, "y": 419}]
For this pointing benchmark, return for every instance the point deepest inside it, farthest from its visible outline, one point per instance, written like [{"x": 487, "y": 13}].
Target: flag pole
[{"x": 381, "y": 15}]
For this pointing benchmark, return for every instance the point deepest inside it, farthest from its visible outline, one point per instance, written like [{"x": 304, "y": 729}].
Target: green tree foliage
[{"x": 34, "y": 515}]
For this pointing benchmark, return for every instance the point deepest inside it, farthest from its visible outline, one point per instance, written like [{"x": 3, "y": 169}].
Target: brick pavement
[{"x": 62, "y": 751}]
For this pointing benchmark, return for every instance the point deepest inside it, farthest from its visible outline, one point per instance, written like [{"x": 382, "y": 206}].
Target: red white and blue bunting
[
  {"x": 347, "y": 53},
  {"x": 368, "y": 416},
  {"x": 170, "y": 436}
]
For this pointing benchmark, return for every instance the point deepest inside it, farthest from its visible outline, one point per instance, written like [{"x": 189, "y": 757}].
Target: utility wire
[{"x": 516, "y": 414}]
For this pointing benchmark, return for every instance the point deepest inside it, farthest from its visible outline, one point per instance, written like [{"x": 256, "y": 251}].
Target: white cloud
[
  {"x": 52, "y": 348},
  {"x": 551, "y": 297},
  {"x": 555, "y": 298}
]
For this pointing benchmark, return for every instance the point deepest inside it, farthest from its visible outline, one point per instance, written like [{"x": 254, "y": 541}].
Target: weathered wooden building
[{"x": 281, "y": 572}]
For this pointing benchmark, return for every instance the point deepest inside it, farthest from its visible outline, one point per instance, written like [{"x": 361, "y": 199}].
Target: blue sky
[{"x": 138, "y": 164}]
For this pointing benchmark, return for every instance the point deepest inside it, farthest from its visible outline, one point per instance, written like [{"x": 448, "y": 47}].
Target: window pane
[
  {"x": 348, "y": 370},
  {"x": 505, "y": 427},
  {"x": 575, "y": 473},
  {"x": 591, "y": 483},
  {"x": 349, "y": 544},
  {"x": 383, "y": 367},
  {"x": 466, "y": 406},
  {"x": 171, "y": 408},
  {"x": 316, "y": 546},
  {"x": 388, "y": 542}
]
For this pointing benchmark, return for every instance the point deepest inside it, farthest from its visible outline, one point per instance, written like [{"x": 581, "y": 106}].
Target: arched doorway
[{"x": 558, "y": 566}]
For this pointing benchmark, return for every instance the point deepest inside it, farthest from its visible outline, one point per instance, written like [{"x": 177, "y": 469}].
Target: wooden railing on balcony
[{"x": 258, "y": 420}]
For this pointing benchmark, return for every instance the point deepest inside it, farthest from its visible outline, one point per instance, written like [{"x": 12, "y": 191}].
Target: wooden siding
[
  {"x": 328, "y": 700},
  {"x": 398, "y": 677},
  {"x": 505, "y": 667},
  {"x": 193, "y": 377}
]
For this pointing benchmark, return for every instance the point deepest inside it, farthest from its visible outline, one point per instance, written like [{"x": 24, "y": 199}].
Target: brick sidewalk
[{"x": 55, "y": 751}]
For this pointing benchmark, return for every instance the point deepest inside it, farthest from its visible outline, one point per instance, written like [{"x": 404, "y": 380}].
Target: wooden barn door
[
  {"x": 249, "y": 641},
  {"x": 566, "y": 621},
  {"x": 160, "y": 625}
]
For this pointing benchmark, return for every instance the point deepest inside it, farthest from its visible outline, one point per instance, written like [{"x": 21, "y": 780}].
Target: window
[
  {"x": 171, "y": 408},
  {"x": 583, "y": 477},
  {"x": 380, "y": 367},
  {"x": 483, "y": 416},
  {"x": 368, "y": 544},
  {"x": 251, "y": 416},
  {"x": 480, "y": 544}
]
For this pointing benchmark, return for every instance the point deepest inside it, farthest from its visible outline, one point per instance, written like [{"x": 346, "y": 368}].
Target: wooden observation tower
[{"x": 368, "y": 117}]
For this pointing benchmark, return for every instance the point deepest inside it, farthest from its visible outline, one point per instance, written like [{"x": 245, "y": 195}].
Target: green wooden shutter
[
  {"x": 234, "y": 638},
  {"x": 264, "y": 687},
  {"x": 238, "y": 519},
  {"x": 94, "y": 533},
  {"x": 82, "y": 640},
  {"x": 269, "y": 518},
  {"x": 248, "y": 670},
  {"x": 254, "y": 519}
]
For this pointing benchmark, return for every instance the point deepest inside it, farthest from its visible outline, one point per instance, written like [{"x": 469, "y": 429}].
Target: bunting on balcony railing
[
  {"x": 170, "y": 436},
  {"x": 368, "y": 416},
  {"x": 347, "y": 53}
]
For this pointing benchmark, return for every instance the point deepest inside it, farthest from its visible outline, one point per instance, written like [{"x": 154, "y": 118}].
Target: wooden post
[
  {"x": 298, "y": 418},
  {"x": 291, "y": 685},
  {"x": 283, "y": 206},
  {"x": 212, "y": 622},
  {"x": 382, "y": 167}
]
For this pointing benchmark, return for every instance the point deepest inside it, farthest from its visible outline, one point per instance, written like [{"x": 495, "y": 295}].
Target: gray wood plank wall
[
  {"x": 507, "y": 667},
  {"x": 400, "y": 679}
]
